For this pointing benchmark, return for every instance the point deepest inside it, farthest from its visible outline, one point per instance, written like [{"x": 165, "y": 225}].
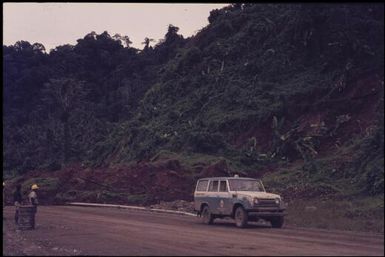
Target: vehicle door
[
  {"x": 225, "y": 201},
  {"x": 212, "y": 196}
]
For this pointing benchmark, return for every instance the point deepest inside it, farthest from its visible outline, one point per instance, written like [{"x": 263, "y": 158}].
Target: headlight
[
  {"x": 248, "y": 199},
  {"x": 255, "y": 201},
  {"x": 277, "y": 200}
]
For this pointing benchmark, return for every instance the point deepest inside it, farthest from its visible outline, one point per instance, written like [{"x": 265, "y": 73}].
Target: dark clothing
[
  {"x": 17, "y": 197},
  {"x": 17, "y": 215},
  {"x": 32, "y": 197}
]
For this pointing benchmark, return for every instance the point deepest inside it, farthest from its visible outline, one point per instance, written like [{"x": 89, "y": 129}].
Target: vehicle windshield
[{"x": 246, "y": 185}]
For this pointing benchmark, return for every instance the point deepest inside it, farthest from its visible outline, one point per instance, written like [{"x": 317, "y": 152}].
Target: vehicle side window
[
  {"x": 213, "y": 186},
  {"x": 202, "y": 185},
  {"x": 223, "y": 186}
]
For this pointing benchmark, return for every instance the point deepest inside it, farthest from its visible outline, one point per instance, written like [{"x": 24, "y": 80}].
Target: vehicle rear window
[
  {"x": 202, "y": 185},
  {"x": 213, "y": 186}
]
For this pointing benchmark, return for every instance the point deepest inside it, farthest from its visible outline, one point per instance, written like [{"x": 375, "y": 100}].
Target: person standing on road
[
  {"x": 17, "y": 202},
  {"x": 32, "y": 199},
  {"x": 3, "y": 195}
]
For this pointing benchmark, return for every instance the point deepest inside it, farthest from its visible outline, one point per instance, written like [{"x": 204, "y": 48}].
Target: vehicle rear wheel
[
  {"x": 207, "y": 217},
  {"x": 277, "y": 222},
  {"x": 240, "y": 217}
]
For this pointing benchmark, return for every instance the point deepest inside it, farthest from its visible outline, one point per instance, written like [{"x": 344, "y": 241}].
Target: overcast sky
[{"x": 54, "y": 24}]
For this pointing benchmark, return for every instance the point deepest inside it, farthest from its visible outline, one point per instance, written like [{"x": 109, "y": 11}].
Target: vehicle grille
[{"x": 266, "y": 203}]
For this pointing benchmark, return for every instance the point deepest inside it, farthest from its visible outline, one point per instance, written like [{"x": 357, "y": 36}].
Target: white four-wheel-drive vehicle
[{"x": 243, "y": 199}]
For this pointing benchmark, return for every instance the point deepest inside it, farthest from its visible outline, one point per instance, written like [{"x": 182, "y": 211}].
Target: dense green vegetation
[{"x": 255, "y": 67}]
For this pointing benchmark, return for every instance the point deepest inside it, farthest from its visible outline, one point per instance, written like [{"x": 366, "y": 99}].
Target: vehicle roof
[{"x": 219, "y": 178}]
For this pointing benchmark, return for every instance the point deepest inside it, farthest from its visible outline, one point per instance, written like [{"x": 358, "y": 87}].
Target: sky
[{"x": 54, "y": 24}]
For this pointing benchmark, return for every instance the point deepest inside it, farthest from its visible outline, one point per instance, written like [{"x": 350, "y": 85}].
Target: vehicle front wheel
[
  {"x": 207, "y": 217},
  {"x": 240, "y": 217},
  {"x": 277, "y": 222}
]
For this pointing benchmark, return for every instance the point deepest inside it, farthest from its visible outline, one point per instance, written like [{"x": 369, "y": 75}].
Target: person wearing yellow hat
[{"x": 32, "y": 198}]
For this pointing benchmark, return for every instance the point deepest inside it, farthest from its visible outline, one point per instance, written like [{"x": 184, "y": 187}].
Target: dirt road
[{"x": 65, "y": 230}]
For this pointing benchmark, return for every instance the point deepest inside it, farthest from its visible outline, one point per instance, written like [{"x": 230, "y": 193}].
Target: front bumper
[{"x": 266, "y": 212}]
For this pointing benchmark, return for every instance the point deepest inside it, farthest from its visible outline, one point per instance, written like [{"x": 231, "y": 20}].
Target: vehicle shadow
[
  {"x": 250, "y": 225},
  {"x": 231, "y": 224}
]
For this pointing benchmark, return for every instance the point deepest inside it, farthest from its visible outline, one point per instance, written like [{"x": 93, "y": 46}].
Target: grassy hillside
[{"x": 265, "y": 84}]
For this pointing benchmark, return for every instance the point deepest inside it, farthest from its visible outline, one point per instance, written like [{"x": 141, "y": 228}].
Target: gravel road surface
[{"x": 69, "y": 230}]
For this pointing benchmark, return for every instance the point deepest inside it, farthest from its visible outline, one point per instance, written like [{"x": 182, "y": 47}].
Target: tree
[
  {"x": 166, "y": 48},
  {"x": 62, "y": 96},
  {"x": 125, "y": 39},
  {"x": 172, "y": 33},
  {"x": 214, "y": 14},
  {"x": 22, "y": 46},
  {"x": 37, "y": 47},
  {"x": 146, "y": 43}
]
